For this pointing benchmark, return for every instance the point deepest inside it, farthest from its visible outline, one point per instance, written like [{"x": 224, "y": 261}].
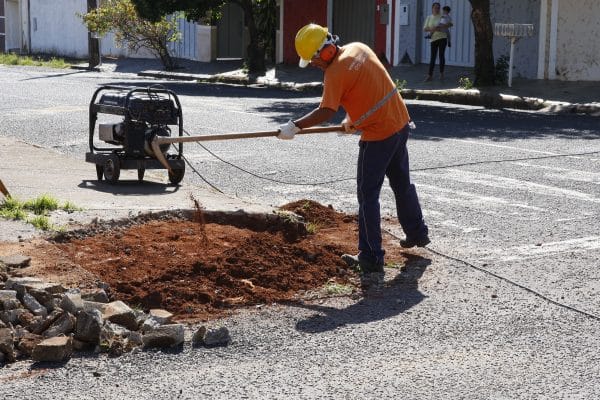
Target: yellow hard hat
[{"x": 309, "y": 40}]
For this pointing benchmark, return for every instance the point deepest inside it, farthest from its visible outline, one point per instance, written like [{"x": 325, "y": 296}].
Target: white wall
[
  {"x": 578, "y": 47},
  {"x": 526, "y": 49},
  {"x": 56, "y": 29}
]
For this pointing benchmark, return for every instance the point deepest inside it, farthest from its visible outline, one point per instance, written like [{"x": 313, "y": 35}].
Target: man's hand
[
  {"x": 348, "y": 127},
  {"x": 288, "y": 131}
]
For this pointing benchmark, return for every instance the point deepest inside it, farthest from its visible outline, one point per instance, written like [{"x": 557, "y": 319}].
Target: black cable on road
[
  {"x": 413, "y": 170},
  {"x": 507, "y": 280}
]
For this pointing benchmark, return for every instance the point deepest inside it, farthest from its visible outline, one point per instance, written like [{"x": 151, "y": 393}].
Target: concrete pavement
[{"x": 44, "y": 171}]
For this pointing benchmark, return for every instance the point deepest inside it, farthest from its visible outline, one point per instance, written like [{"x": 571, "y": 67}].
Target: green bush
[
  {"x": 502, "y": 70},
  {"x": 14, "y": 59},
  {"x": 465, "y": 83}
]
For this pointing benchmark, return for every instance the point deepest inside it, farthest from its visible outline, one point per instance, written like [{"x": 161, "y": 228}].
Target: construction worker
[{"x": 355, "y": 79}]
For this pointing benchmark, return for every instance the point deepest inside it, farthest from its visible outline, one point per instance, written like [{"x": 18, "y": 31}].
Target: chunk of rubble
[
  {"x": 71, "y": 302},
  {"x": 120, "y": 313},
  {"x": 171, "y": 335},
  {"x": 15, "y": 261},
  {"x": 33, "y": 305},
  {"x": 97, "y": 294},
  {"x": 211, "y": 337},
  {"x": 62, "y": 326},
  {"x": 161, "y": 316},
  {"x": 44, "y": 298},
  {"x": 12, "y": 317},
  {"x": 88, "y": 326},
  {"x": 39, "y": 326},
  {"x": 54, "y": 349},
  {"x": 23, "y": 284},
  {"x": 7, "y": 344},
  {"x": 9, "y": 300},
  {"x": 27, "y": 343}
]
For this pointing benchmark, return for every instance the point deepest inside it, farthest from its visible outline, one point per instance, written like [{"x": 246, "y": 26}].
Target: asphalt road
[{"x": 514, "y": 193}]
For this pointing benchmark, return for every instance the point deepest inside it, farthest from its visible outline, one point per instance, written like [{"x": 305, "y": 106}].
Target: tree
[
  {"x": 133, "y": 31},
  {"x": 484, "y": 37},
  {"x": 260, "y": 18}
]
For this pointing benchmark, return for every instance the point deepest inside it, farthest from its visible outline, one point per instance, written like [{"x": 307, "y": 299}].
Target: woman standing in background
[{"x": 436, "y": 33}]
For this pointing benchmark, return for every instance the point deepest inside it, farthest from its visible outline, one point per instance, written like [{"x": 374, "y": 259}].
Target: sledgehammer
[
  {"x": 158, "y": 140},
  {"x": 4, "y": 190}
]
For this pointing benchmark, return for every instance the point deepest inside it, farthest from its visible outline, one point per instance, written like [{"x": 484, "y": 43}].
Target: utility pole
[{"x": 93, "y": 41}]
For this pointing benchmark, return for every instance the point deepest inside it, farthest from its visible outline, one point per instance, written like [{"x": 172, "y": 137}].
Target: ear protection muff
[{"x": 328, "y": 52}]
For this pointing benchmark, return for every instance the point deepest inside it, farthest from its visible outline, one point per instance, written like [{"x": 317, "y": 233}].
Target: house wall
[
  {"x": 525, "y": 59},
  {"x": 298, "y": 13},
  {"x": 408, "y": 42},
  {"x": 578, "y": 47},
  {"x": 56, "y": 28}
]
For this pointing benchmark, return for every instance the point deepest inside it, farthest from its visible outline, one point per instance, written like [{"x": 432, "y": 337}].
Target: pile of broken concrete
[{"x": 47, "y": 322}]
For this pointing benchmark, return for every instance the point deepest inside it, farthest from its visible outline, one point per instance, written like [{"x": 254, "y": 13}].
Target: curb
[
  {"x": 472, "y": 97},
  {"x": 494, "y": 99}
]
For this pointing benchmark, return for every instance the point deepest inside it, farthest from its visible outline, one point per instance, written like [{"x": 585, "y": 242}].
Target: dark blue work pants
[{"x": 376, "y": 160}]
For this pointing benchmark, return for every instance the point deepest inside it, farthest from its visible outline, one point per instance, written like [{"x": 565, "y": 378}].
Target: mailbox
[{"x": 384, "y": 14}]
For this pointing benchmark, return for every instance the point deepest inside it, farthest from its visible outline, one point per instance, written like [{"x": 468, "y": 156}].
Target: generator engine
[
  {"x": 149, "y": 116},
  {"x": 146, "y": 113}
]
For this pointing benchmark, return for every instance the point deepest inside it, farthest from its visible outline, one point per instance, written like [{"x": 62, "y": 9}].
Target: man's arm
[{"x": 315, "y": 117}]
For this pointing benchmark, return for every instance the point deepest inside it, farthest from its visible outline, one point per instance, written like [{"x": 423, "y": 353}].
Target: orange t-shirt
[{"x": 357, "y": 80}]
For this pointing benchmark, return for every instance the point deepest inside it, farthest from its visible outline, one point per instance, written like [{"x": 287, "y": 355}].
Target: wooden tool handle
[{"x": 244, "y": 135}]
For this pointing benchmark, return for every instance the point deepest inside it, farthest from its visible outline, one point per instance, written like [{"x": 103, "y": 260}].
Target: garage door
[
  {"x": 354, "y": 21},
  {"x": 462, "y": 52}
]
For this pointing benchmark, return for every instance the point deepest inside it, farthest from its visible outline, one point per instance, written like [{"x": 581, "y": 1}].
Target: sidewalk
[
  {"x": 74, "y": 180},
  {"x": 531, "y": 94}
]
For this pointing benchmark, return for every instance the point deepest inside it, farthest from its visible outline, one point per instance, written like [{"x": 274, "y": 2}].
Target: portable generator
[{"x": 147, "y": 113}]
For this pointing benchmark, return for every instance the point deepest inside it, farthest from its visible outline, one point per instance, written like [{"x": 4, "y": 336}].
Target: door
[
  {"x": 230, "y": 32},
  {"x": 354, "y": 21},
  {"x": 13, "y": 26},
  {"x": 462, "y": 52}
]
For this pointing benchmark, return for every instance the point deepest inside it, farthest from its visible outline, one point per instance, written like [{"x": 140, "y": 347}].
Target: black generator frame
[{"x": 110, "y": 161}]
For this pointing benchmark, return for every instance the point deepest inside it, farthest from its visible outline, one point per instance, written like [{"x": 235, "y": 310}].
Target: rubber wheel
[
  {"x": 141, "y": 172},
  {"x": 112, "y": 169},
  {"x": 176, "y": 176},
  {"x": 99, "y": 172}
]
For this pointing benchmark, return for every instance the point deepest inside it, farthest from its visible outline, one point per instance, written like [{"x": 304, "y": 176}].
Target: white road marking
[
  {"x": 473, "y": 199},
  {"x": 545, "y": 249},
  {"x": 480, "y": 179},
  {"x": 491, "y": 145},
  {"x": 565, "y": 173}
]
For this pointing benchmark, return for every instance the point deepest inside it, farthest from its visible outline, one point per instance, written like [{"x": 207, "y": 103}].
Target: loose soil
[{"x": 210, "y": 264}]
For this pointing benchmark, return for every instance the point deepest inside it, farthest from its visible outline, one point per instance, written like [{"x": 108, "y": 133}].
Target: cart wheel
[
  {"x": 99, "y": 171},
  {"x": 141, "y": 172},
  {"x": 112, "y": 169},
  {"x": 176, "y": 176}
]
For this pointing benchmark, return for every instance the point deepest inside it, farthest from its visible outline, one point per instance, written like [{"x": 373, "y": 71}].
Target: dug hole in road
[{"x": 206, "y": 266}]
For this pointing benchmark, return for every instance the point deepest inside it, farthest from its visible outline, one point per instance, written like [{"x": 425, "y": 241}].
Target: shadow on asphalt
[
  {"x": 396, "y": 297},
  {"x": 129, "y": 187},
  {"x": 435, "y": 121},
  {"x": 53, "y": 75},
  {"x": 193, "y": 88}
]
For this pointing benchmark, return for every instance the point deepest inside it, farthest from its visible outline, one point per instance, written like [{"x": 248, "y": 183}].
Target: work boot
[
  {"x": 365, "y": 266},
  {"x": 419, "y": 242},
  {"x": 372, "y": 282}
]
